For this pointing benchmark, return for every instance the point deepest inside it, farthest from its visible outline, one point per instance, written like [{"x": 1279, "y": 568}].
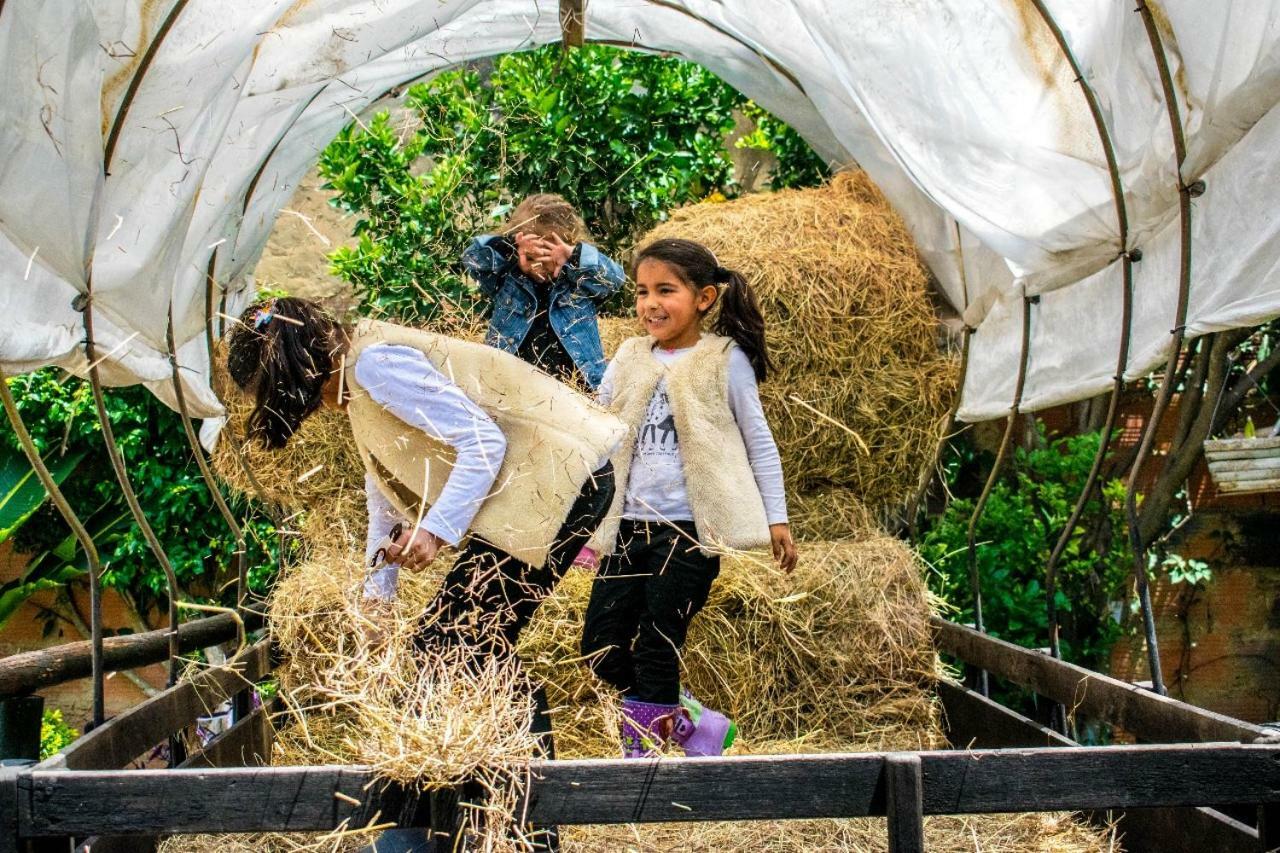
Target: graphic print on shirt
[{"x": 658, "y": 435}]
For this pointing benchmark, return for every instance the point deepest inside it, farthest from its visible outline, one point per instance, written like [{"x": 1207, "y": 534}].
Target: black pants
[
  {"x": 489, "y": 596},
  {"x": 645, "y": 596}
]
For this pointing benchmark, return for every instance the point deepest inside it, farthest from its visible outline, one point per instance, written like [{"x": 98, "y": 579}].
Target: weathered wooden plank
[
  {"x": 1100, "y": 777},
  {"x": 8, "y": 810},
  {"x": 1267, "y": 463},
  {"x": 975, "y": 722},
  {"x": 53, "y": 802},
  {"x": 904, "y": 803},
  {"x": 123, "y": 738},
  {"x": 245, "y": 744},
  {"x": 1147, "y": 715},
  {"x": 1219, "y": 446},
  {"x": 29, "y": 671},
  {"x": 1241, "y": 487},
  {"x": 254, "y": 799},
  {"x": 739, "y": 788},
  {"x": 1246, "y": 475},
  {"x": 1179, "y": 830}
]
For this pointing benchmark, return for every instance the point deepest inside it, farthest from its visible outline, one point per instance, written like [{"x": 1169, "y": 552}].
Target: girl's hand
[
  {"x": 531, "y": 252},
  {"x": 784, "y": 548},
  {"x": 416, "y": 555},
  {"x": 558, "y": 253}
]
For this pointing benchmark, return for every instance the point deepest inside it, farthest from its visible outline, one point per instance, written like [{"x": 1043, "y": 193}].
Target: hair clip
[{"x": 265, "y": 313}]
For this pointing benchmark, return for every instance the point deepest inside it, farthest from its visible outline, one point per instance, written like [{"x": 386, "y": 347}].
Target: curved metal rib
[
  {"x": 975, "y": 583},
  {"x": 122, "y": 476},
  {"x": 1177, "y": 334},
  {"x": 81, "y": 534},
  {"x": 1122, "y": 359},
  {"x": 205, "y": 472}
]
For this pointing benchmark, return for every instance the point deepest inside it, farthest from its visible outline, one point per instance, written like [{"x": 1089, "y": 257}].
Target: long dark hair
[
  {"x": 739, "y": 316},
  {"x": 283, "y": 351}
]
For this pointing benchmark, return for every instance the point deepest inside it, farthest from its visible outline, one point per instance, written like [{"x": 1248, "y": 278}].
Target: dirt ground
[{"x": 307, "y": 230}]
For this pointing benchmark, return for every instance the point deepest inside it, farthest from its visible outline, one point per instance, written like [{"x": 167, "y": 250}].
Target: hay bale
[
  {"x": 850, "y": 327},
  {"x": 830, "y": 513}
]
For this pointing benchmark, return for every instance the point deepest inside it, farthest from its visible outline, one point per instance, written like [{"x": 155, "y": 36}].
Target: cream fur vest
[
  {"x": 556, "y": 438},
  {"x": 727, "y": 508}
]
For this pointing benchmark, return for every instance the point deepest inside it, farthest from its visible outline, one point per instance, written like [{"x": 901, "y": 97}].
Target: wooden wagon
[{"x": 1197, "y": 781}]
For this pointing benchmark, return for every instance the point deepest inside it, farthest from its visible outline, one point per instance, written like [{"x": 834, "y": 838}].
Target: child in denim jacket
[{"x": 544, "y": 284}]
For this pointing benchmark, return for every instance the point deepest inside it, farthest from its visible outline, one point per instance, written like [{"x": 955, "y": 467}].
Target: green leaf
[
  {"x": 12, "y": 599},
  {"x": 21, "y": 491}
]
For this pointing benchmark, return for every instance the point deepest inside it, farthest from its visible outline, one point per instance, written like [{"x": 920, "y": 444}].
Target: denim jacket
[{"x": 588, "y": 278}]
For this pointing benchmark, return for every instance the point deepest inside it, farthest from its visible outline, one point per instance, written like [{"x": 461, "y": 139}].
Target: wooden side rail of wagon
[
  {"x": 973, "y": 720},
  {"x": 42, "y": 803},
  {"x": 1169, "y": 794}
]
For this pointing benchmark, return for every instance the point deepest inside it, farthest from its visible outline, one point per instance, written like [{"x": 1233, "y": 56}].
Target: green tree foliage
[
  {"x": 1025, "y": 514},
  {"x": 59, "y": 412},
  {"x": 622, "y": 135},
  {"x": 798, "y": 165}
]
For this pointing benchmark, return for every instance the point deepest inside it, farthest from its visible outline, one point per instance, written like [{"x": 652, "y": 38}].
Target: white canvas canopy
[{"x": 145, "y": 142}]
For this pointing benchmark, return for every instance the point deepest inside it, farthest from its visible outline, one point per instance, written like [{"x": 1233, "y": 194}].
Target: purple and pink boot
[
  {"x": 707, "y": 732},
  {"x": 646, "y": 727}
]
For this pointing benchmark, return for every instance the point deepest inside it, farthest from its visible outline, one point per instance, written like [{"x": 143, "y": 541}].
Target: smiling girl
[{"x": 700, "y": 473}]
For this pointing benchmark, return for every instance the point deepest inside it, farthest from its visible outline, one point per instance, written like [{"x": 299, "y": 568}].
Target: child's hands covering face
[
  {"x": 532, "y": 255},
  {"x": 557, "y": 254},
  {"x": 542, "y": 258},
  {"x": 784, "y": 548}
]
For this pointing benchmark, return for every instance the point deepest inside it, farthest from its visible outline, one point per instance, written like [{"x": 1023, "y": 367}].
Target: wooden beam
[
  {"x": 287, "y": 799},
  {"x": 1146, "y": 715},
  {"x": 975, "y": 722},
  {"x": 27, "y": 672},
  {"x": 120, "y": 740},
  {"x": 904, "y": 802},
  {"x": 573, "y": 22}
]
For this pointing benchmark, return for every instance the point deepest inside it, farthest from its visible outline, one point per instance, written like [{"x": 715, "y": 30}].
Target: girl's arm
[
  {"x": 593, "y": 273},
  {"x": 404, "y": 382},
  {"x": 488, "y": 260},
  {"x": 762, "y": 453}
]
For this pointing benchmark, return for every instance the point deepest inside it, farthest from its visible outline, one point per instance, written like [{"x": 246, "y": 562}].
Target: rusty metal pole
[
  {"x": 1122, "y": 359},
  {"x": 210, "y": 482},
  {"x": 126, "y": 488},
  {"x": 1177, "y": 334},
  {"x": 975, "y": 582}
]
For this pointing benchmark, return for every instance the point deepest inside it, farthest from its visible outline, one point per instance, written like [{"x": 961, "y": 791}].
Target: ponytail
[
  {"x": 283, "y": 350},
  {"x": 739, "y": 317}
]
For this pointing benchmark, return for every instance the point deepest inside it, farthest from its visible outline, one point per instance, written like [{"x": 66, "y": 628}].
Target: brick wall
[{"x": 25, "y": 632}]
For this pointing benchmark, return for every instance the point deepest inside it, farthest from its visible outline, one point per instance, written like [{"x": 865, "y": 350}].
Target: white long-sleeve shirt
[
  {"x": 405, "y": 382},
  {"x": 656, "y": 489}
]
